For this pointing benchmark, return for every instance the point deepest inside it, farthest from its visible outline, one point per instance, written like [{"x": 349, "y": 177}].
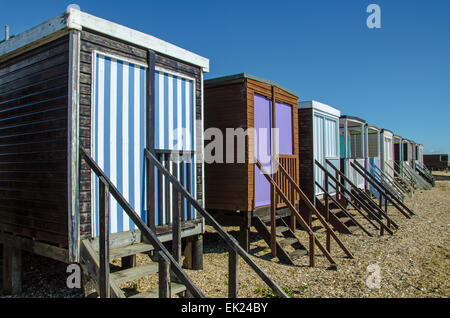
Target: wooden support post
[
  {"x": 293, "y": 220},
  {"x": 164, "y": 276},
  {"x": 233, "y": 263},
  {"x": 197, "y": 252},
  {"x": 379, "y": 214},
  {"x": 273, "y": 221},
  {"x": 328, "y": 241},
  {"x": 176, "y": 226},
  {"x": 338, "y": 187},
  {"x": 327, "y": 207},
  {"x": 128, "y": 261},
  {"x": 244, "y": 230},
  {"x": 273, "y": 194},
  {"x": 104, "y": 238},
  {"x": 311, "y": 250},
  {"x": 150, "y": 139},
  {"x": 193, "y": 253},
  {"x": 12, "y": 270}
]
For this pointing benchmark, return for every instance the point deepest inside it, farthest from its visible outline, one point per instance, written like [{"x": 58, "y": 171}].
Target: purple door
[
  {"x": 263, "y": 124},
  {"x": 283, "y": 121}
]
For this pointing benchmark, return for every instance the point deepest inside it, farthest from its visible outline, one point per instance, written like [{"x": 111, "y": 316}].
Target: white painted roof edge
[
  {"x": 388, "y": 133},
  {"x": 321, "y": 107},
  {"x": 75, "y": 19}
]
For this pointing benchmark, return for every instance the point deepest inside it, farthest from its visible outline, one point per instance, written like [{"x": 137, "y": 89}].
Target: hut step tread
[
  {"x": 298, "y": 253},
  {"x": 130, "y": 274},
  {"x": 175, "y": 288},
  {"x": 281, "y": 229},
  {"x": 345, "y": 219},
  {"x": 288, "y": 242},
  {"x": 129, "y": 250}
]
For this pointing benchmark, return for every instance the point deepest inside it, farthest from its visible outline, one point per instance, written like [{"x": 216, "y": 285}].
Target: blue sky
[{"x": 397, "y": 77}]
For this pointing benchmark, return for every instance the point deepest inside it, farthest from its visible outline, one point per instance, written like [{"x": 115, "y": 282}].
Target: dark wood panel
[{"x": 33, "y": 143}]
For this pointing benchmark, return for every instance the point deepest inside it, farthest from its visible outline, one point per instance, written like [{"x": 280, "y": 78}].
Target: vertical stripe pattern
[
  {"x": 174, "y": 131},
  {"x": 174, "y": 112},
  {"x": 118, "y": 136}
]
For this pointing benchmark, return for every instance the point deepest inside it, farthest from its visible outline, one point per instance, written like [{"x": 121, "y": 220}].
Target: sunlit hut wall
[
  {"x": 398, "y": 153},
  {"x": 352, "y": 143},
  {"x": 237, "y": 191},
  {"x": 81, "y": 80},
  {"x": 408, "y": 152},
  {"x": 372, "y": 153},
  {"x": 387, "y": 152},
  {"x": 318, "y": 140}
]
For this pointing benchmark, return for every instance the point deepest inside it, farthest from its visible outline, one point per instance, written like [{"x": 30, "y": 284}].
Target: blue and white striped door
[
  {"x": 118, "y": 136},
  {"x": 174, "y": 131}
]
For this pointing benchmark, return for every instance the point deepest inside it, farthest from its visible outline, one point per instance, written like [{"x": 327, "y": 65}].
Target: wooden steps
[
  {"x": 339, "y": 218},
  {"x": 175, "y": 289},
  {"x": 288, "y": 246},
  {"x": 129, "y": 250},
  {"x": 130, "y": 274},
  {"x": 90, "y": 263}
]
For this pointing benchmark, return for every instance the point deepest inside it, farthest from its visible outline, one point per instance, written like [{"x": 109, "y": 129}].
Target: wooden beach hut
[
  {"x": 319, "y": 140},
  {"x": 372, "y": 153},
  {"x": 353, "y": 147},
  {"x": 387, "y": 152},
  {"x": 260, "y": 189},
  {"x": 82, "y": 100},
  {"x": 373, "y": 147},
  {"x": 398, "y": 153},
  {"x": 237, "y": 191}
]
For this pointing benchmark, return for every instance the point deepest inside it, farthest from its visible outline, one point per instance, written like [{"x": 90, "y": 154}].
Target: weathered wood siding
[
  {"x": 91, "y": 41},
  {"x": 230, "y": 186},
  {"x": 33, "y": 143},
  {"x": 226, "y": 184},
  {"x": 306, "y": 151}
]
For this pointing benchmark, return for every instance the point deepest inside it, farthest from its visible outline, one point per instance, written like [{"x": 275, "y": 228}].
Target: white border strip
[{"x": 75, "y": 19}]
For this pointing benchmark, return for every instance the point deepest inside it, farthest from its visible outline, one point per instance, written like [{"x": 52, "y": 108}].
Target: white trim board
[
  {"x": 77, "y": 20},
  {"x": 321, "y": 107}
]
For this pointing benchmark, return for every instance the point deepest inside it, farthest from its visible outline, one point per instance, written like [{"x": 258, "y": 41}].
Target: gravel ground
[{"x": 414, "y": 262}]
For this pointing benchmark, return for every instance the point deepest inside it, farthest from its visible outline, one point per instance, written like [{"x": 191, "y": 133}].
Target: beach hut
[
  {"x": 79, "y": 80},
  {"x": 398, "y": 153},
  {"x": 408, "y": 146},
  {"x": 372, "y": 153},
  {"x": 248, "y": 106},
  {"x": 387, "y": 152},
  {"x": 373, "y": 147},
  {"x": 352, "y": 141},
  {"x": 319, "y": 140}
]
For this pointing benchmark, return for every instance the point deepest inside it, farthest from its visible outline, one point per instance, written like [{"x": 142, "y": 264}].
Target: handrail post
[
  {"x": 164, "y": 276},
  {"x": 233, "y": 265},
  {"x": 311, "y": 250},
  {"x": 176, "y": 226},
  {"x": 293, "y": 220},
  {"x": 327, "y": 208},
  {"x": 104, "y": 238},
  {"x": 273, "y": 243}
]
